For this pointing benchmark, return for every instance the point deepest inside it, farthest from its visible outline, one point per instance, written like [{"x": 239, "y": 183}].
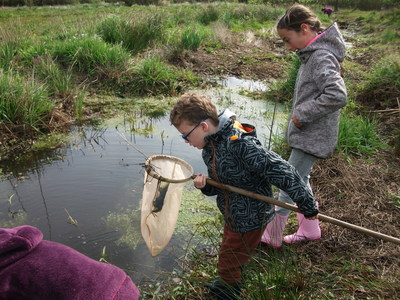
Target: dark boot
[{"x": 224, "y": 291}]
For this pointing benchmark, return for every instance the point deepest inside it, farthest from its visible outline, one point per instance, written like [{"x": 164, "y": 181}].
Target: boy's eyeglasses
[{"x": 185, "y": 136}]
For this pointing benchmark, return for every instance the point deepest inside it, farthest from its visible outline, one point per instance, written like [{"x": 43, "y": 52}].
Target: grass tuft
[
  {"x": 23, "y": 102},
  {"x": 358, "y": 135}
]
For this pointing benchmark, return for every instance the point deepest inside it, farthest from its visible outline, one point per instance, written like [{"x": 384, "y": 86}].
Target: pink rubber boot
[
  {"x": 308, "y": 231},
  {"x": 273, "y": 234}
]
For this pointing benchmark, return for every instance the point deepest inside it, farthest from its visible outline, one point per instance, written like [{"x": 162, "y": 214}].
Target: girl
[{"x": 319, "y": 94}]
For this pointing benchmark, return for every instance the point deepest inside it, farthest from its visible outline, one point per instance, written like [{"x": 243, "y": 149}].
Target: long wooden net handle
[{"x": 322, "y": 217}]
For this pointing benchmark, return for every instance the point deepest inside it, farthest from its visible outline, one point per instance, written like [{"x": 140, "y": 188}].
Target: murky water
[{"x": 97, "y": 174}]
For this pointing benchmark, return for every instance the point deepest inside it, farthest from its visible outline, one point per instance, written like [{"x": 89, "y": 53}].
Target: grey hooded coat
[{"x": 320, "y": 92}]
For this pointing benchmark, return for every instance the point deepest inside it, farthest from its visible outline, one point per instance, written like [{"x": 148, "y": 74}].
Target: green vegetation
[
  {"x": 51, "y": 58},
  {"x": 283, "y": 89},
  {"x": 23, "y": 102},
  {"x": 358, "y": 135}
]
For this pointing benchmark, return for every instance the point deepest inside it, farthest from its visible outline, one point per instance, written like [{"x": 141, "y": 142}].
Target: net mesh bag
[{"x": 164, "y": 180}]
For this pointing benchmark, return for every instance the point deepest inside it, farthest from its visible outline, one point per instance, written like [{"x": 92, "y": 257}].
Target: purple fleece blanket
[{"x": 32, "y": 268}]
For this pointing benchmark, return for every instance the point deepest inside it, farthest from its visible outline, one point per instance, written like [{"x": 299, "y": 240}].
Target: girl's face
[{"x": 296, "y": 40}]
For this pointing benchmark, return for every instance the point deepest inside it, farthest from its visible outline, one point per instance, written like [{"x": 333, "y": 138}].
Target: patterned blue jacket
[{"x": 236, "y": 157}]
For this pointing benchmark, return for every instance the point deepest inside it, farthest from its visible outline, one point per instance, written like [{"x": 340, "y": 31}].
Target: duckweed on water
[
  {"x": 127, "y": 223},
  {"x": 18, "y": 218},
  {"x": 197, "y": 215}
]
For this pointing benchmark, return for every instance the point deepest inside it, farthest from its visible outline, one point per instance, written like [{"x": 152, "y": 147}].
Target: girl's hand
[
  {"x": 296, "y": 122},
  {"x": 200, "y": 181},
  {"x": 313, "y": 218}
]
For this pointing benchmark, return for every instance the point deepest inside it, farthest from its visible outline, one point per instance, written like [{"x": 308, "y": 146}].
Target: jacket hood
[
  {"x": 15, "y": 243},
  {"x": 224, "y": 117},
  {"x": 331, "y": 40},
  {"x": 232, "y": 130}
]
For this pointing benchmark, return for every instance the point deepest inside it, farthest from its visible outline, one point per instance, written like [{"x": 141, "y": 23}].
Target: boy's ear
[{"x": 204, "y": 126}]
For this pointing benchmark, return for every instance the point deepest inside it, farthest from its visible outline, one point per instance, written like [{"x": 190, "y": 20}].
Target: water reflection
[{"x": 97, "y": 177}]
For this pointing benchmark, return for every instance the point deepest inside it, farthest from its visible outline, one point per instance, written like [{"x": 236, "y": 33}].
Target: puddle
[{"x": 97, "y": 178}]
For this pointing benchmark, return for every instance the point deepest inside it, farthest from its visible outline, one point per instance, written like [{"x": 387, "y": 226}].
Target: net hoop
[{"x": 153, "y": 173}]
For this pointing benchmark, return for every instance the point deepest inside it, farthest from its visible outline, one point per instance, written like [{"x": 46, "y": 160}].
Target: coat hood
[
  {"x": 33, "y": 268},
  {"x": 15, "y": 243},
  {"x": 331, "y": 40},
  {"x": 225, "y": 116}
]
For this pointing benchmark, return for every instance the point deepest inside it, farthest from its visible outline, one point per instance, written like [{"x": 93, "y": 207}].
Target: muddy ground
[{"x": 357, "y": 190}]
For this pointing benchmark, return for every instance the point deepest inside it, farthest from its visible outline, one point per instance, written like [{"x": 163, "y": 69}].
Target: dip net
[{"x": 164, "y": 180}]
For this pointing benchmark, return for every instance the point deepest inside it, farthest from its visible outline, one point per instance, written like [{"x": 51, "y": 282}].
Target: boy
[{"x": 234, "y": 156}]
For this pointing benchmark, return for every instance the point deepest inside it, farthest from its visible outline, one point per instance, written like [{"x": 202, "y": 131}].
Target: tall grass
[
  {"x": 382, "y": 84},
  {"x": 154, "y": 76},
  {"x": 208, "y": 15},
  {"x": 275, "y": 274},
  {"x": 135, "y": 36},
  {"x": 7, "y": 52},
  {"x": 358, "y": 135},
  {"x": 58, "y": 81},
  {"x": 79, "y": 100},
  {"x": 23, "y": 102},
  {"x": 90, "y": 54},
  {"x": 192, "y": 37},
  {"x": 283, "y": 90}
]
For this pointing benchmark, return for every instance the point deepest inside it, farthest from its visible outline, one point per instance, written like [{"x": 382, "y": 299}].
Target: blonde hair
[
  {"x": 296, "y": 15},
  {"x": 193, "y": 108}
]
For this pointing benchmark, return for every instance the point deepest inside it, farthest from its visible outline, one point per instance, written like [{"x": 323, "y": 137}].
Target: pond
[{"x": 96, "y": 177}]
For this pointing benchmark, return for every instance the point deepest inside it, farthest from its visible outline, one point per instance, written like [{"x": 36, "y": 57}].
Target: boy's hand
[{"x": 200, "y": 181}]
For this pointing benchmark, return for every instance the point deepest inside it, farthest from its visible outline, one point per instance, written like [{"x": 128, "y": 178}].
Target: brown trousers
[{"x": 236, "y": 249}]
